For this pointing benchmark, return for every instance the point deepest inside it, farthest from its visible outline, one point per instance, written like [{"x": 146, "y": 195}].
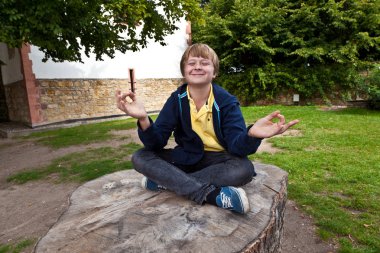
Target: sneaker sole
[
  {"x": 144, "y": 183},
  {"x": 244, "y": 199}
]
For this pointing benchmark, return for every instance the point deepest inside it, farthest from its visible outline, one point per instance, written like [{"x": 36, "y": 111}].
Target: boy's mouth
[{"x": 197, "y": 74}]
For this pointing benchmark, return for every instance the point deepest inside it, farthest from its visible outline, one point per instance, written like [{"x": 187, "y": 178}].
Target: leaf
[{"x": 63, "y": 28}]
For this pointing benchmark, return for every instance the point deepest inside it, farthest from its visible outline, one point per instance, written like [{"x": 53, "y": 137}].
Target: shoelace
[{"x": 226, "y": 201}]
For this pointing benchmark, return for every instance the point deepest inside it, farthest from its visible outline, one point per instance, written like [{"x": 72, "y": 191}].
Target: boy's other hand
[{"x": 265, "y": 128}]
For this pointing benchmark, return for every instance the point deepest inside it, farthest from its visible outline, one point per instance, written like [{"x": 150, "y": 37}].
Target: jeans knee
[
  {"x": 136, "y": 157},
  {"x": 139, "y": 158},
  {"x": 244, "y": 172}
]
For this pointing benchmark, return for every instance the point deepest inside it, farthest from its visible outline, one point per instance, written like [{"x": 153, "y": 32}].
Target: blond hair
[{"x": 200, "y": 50}]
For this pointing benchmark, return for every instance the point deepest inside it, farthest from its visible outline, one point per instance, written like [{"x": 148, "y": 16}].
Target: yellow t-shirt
[{"x": 202, "y": 124}]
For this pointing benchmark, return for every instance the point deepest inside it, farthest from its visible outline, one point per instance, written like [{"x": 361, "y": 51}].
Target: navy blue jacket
[{"x": 229, "y": 127}]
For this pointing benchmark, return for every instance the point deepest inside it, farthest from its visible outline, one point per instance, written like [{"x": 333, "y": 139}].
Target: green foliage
[
  {"x": 311, "y": 47},
  {"x": 372, "y": 83},
  {"x": 334, "y": 171},
  {"x": 62, "y": 28}
]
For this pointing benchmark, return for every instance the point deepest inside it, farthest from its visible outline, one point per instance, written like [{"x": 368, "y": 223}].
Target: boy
[{"x": 210, "y": 159}]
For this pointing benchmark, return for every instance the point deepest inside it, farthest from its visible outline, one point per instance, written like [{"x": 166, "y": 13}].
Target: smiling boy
[{"x": 210, "y": 160}]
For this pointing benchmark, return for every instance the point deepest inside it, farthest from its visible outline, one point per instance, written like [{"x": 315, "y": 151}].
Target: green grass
[
  {"x": 333, "y": 166},
  {"x": 16, "y": 248},
  {"x": 334, "y": 171},
  {"x": 83, "y": 134},
  {"x": 82, "y": 166}
]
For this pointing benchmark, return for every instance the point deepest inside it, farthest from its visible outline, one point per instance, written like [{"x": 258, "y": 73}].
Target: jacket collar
[{"x": 221, "y": 96}]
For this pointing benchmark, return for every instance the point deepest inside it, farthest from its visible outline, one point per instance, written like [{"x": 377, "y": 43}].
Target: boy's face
[{"x": 199, "y": 71}]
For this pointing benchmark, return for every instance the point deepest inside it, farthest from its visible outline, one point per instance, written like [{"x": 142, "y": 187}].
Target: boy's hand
[
  {"x": 134, "y": 109},
  {"x": 265, "y": 128}
]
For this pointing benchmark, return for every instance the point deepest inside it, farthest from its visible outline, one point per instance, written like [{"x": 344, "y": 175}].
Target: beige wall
[{"x": 72, "y": 99}]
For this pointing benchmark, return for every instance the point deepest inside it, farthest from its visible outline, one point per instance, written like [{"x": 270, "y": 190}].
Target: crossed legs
[{"x": 195, "y": 182}]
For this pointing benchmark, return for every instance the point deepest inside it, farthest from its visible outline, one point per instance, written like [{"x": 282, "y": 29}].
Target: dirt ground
[{"x": 29, "y": 210}]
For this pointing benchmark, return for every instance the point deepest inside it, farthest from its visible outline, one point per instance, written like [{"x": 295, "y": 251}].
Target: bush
[
  {"x": 373, "y": 83},
  {"x": 310, "y": 47}
]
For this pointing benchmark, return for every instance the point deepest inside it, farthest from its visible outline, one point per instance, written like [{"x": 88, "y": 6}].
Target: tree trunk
[{"x": 115, "y": 214}]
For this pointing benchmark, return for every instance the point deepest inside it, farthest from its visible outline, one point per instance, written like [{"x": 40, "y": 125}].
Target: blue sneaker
[
  {"x": 233, "y": 199},
  {"x": 150, "y": 185}
]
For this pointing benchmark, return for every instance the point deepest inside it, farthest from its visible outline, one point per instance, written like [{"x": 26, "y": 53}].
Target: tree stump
[{"x": 115, "y": 214}]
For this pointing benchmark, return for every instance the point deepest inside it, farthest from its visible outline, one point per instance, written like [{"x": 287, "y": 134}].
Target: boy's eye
[{"x": 203, "y": 63}]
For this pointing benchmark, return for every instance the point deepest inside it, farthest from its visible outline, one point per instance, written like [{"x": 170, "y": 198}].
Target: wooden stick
[{"x": 132, "y": 79}]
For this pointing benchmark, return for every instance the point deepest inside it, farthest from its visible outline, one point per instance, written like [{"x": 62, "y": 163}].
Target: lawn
[
  {"x": 83, "y": 134},
  {"x": 333, "y": 166},
  {"x": 334, "y": 171}
]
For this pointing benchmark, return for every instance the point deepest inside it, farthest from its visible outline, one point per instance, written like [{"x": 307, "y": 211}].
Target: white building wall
[{"x": 155, "y": 61}]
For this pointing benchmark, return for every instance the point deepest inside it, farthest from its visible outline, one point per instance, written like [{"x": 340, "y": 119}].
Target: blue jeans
[{"x": 196, "y": 181}]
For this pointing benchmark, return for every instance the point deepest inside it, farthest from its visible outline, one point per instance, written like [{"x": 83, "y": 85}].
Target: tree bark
[{"x": 115, "y": 214}]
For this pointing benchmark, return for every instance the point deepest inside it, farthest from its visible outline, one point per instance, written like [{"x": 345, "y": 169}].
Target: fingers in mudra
[
  {"x": 122, "y": 101},
  {"x": 266, "y": 128}
]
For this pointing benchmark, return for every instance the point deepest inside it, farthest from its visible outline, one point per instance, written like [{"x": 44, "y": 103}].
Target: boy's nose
[{"x": 198, "y": 65}]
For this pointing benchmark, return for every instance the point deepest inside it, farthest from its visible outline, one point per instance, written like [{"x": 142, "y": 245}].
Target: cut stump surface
[{"x": 115, "y": 214}]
